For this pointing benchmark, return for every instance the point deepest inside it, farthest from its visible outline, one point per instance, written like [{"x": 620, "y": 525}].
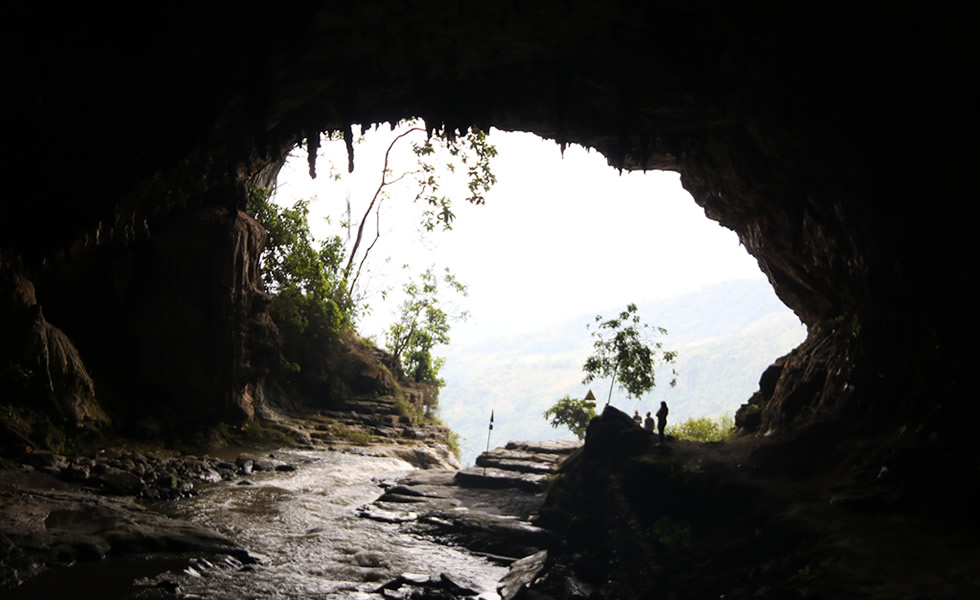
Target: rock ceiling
[{"x": 830, "y": 140}]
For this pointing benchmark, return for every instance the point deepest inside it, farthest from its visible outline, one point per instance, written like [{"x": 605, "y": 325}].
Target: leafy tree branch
[
  {"x": 624, "y": 353},
  {"x": 424, "y": 323},
  {"x": 573, "y": 413}
]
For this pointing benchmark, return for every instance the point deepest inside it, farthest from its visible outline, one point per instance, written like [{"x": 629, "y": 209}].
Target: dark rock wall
[
  {"x": 831, "y": 139},
  {"x": 168, "y": 322}
]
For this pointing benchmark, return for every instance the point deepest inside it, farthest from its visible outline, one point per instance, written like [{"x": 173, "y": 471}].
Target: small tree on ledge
[
  {"x": 424, "y": 323},
  {"x": 572, "y": 413},
  {"x": 625, "y": 355}
]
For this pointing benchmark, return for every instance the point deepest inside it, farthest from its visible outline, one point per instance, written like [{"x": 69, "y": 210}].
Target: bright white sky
[{"x": 557, "y": 238}]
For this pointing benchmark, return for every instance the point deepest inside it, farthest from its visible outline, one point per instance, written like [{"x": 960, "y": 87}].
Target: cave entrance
[{"x": 562, "y": 237}]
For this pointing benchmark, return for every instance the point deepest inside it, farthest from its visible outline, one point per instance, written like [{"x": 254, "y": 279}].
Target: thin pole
[
  {"x": 488, "y": 439},
  {"x": 611, "y": 384}
]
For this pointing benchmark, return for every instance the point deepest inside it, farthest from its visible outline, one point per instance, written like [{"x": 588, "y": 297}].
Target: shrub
[
  {"x": 573, "y": 413},
  {"x": 704, "y": 429}
]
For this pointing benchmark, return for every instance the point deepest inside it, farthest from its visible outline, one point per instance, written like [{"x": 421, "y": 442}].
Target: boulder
[
  {"x": 117, "y": 481},
  {"x": 521, "y": 574}
]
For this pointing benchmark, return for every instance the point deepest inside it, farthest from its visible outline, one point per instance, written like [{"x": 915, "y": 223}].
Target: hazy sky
[{"x": 558, "y": 237}]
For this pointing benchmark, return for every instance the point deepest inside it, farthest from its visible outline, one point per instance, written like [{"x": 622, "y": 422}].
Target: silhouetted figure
[
  {"x": 662, "y": 421},
  {"x": 648, "y": 423},
  {"x": 636, "y": 417}
]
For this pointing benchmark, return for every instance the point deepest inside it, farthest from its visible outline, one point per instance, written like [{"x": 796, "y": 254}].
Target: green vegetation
[
  {"x": 624, "y": 354},
  {"x": 441, "y": 155},
  {"x": 423, "y": 324},
  {"x": 572, "y": 413},
  {"x": 704, "y": 429},
  {"x": 474, "y": 153},
  {"x": 310, "y": 304},
  {"x": 673, "y": 533},
  {"x": 316, "y": 286},
  {"x": 259, "y": 433},
  {"x": 810, "y": 573},
  {"x": 453, "y": 441},
  {"x": 351, "y": 434}
]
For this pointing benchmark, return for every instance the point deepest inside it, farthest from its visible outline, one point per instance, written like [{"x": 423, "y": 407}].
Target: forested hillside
[{"x": 725, "y": 335}]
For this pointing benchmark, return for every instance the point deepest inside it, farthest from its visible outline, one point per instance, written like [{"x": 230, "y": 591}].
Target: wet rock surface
[
  {"x": 50, "y": 519},
  {"x": 57, "y": 511},
  {"x": 486, "y": 509},
  {"x": 89, "y": 507}
]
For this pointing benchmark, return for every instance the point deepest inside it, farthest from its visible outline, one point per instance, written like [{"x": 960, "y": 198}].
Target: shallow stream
[{"x": 303, "y": 526}]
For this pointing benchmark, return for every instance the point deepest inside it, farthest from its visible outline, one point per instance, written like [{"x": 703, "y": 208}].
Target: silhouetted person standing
[
  {"x": 662, "y": 421},
  {"x": 648, "y": 423},
  {"x": 636, "y": 417}
]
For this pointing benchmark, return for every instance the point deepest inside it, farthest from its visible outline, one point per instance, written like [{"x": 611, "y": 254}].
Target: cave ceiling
[{"x": 829, "y": 138}]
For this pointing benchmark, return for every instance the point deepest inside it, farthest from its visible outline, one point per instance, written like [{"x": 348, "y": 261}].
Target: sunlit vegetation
[
  {"x": 350, "y": 434},
  {"x": 424, "y": 322},
  {"x": 316, "y": 285},
  {"x": 704, "y": 429},
  {"x": 259, "y": 434},
  {"x": 624, "y": 352},
  {"x": 573, "y": 413}
]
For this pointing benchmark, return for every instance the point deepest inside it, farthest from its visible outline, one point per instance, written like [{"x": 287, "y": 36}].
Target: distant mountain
[{"x": 725, "y": 336}]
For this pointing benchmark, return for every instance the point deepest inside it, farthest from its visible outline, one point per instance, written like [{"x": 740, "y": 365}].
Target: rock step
[
  {"x": 511, "y": 464},
  {"x": 524, "y": 462},
  {"x": 369, "y": 419},
  {"x": 563, "y": 447},
  {"x": 377, "y": 406},
  {"x": 493, "y": 478}
]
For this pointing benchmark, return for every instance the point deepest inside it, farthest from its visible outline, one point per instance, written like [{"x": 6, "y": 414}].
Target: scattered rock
[
  {"x": 386, "y": 516},
  {"x": 521, "y": 574},
  {"x": 434, "y": 588},
  {"x": 117, "y": 481},
  {"x": 45, "y": 459}
]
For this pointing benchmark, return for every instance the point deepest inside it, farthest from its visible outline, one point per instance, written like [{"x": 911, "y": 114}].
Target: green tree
[
  {"x": 441, "y": 155},
  {"x": 423, "y": 324},
  {"x": 309, "y": 300},
  {"x": 290, "y": 259},
  {"x": 572, "y": 413},
  {"x": 625, "y": 354}
]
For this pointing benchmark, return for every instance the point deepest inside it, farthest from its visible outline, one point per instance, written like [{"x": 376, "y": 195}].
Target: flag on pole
[{"x": 489, "y": 431}]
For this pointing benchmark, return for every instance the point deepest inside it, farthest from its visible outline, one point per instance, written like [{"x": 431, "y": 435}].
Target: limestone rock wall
[{"x": 44, "y": 379}]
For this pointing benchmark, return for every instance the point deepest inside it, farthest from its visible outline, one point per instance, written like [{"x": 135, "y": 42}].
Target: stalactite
[
  {"x": 312, "y": 145},
  {"x": 349, "y": 141}
]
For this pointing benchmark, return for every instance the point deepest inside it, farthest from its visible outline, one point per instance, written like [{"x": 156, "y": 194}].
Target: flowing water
[{"x": 304, "y": 528}]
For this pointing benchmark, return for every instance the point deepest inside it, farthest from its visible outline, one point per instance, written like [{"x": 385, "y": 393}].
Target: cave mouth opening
[{"x": 562, "y": 237}]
